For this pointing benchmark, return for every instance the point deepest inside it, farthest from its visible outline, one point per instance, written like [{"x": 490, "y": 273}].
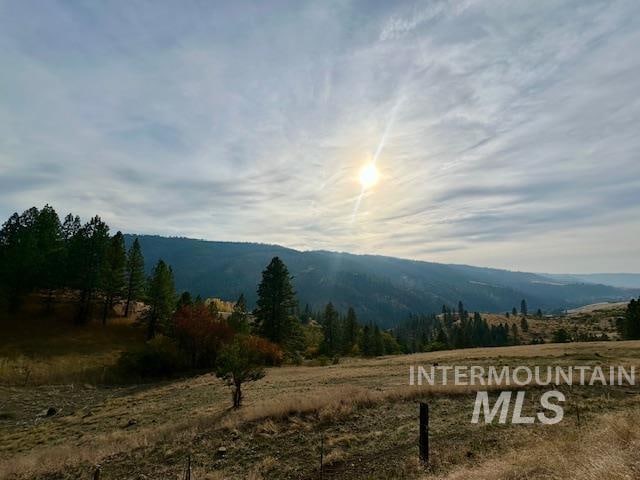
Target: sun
[{"x": 369, "y": 175}]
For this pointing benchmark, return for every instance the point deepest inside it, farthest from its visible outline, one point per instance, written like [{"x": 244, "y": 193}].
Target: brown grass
[{"x": 606, "y": 449}]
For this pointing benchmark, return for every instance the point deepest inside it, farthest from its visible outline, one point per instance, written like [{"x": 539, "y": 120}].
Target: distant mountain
[
  {"x": 381, "y": 289},
  {"x": 621, "y": 280}
]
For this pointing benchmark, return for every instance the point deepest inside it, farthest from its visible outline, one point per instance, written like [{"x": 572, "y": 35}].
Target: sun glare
[{"x": 369, "y": 176}]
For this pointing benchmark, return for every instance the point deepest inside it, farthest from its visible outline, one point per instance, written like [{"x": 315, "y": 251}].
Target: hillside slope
[{"x": 381, "y": 289}]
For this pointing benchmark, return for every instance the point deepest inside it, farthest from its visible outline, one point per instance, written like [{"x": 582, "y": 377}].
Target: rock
[
  {"x": 131, "y": 423},
  {"x": 49, "y": 412},
  {"x": 222, "y": 451}
]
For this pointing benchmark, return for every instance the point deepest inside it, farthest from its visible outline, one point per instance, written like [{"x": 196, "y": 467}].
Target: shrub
[
  {"x": 158, "y": 357},
  {"x": 242, "y": 361},
  {"x": 200, "y": 334},
  {"x": 269, "y": 353}
]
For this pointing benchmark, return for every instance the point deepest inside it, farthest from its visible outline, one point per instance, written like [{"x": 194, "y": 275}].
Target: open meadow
[{"x": 362, "y": 411}]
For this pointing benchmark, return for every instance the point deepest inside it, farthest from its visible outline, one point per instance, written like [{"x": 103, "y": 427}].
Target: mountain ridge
[{"x": 381, "y": 288}]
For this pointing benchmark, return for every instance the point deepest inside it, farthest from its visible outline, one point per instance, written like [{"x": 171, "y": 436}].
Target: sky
[{"x": 506, "y": 134}]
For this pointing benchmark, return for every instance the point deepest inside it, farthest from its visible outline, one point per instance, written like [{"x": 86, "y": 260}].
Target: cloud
[{"x": 511, "y": 129}]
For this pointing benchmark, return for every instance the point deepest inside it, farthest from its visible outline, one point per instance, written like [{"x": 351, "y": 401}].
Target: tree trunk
[
  {"x": 105, "y": 311},
  {"x": 237, "y": 394},
  {"x": 126, "y": 308}
]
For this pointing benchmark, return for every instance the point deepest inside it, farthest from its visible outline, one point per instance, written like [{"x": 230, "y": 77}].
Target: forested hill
[{"x": 381, "y": 289}]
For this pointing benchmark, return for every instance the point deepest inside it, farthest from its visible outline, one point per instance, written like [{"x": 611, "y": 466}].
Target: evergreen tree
[
  {"x": 524, "y": 325},
  {"x": 378, "y": 342},
  {"x": 515, "y": 334},
  {"x": 514, "y": 311},
  {"x": 161, "y": 299},
  {"x": 112, "y": 278},
  {"x": 238, "y": 319},
  {"x": 184, "y": 300},
  {"x": 87, "y": 251},
  {"x": 331, "y": 330},
  {"x": 367, "y": 347},
  {"x": 351, "y": 331},
  {"x": 275, "y": 319},
  {"x": 135, "y": 275},
  {"x": 631, "y": 322},
  {"x": 523, "y": 307},
  {"x": 539, "y": 313},
  {"x": 19, "y": 256},
  {"x": 50, "y": 248},
  {"x": 561, "y": 336}
]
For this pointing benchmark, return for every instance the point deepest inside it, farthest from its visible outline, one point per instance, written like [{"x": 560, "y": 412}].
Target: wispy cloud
[{"x": 514, "y": 144}]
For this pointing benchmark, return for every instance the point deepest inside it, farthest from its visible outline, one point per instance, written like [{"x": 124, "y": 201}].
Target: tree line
[
  {"x": 40, "y": 252},
  {"x": 629, "y": 325}
]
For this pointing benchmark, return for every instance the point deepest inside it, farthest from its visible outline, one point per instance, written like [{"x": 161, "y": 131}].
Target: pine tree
[
  {"x": 515, "y": 334},
  {"x": 184, "y": 300},
  {"x": 20, "y": 256},
  {"x": 351, "y": 331},
  {"x": 275, "y": 319},
  {"x": 238, "y": 319},
  {"x": 331, "y": 330},
  {"x": 135, "y": 275},
  {"x": 631, "y": 323},
  {"x": 524, "y": 325},
  {"x": 378, "y": 342},
  {"x": 367, "y": 346},
  {"x": 161, "y": 299},
  {"x": 87, "y": 251},
  {"x": 50, "y": 248},
  {"x": 523, "y": 307},
  {"x": 112, "y": 278},
  {"x": 514, "y": 311}
]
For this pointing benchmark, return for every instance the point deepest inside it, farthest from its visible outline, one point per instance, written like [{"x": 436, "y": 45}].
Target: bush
[
  {"x": 158, "y": 358},
  {"x": 242, "y": 361},
  {"x": 200, "y": 334},
  {"x": 269, "y": 353}
]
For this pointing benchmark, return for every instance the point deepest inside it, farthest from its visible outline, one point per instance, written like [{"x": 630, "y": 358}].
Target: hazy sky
[{"x": 509, "y": 132}]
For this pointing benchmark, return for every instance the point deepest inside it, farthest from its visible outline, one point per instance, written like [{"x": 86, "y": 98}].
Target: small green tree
[
  {"x": 561, "y": 336},
  {"x": 523, "y": 307},
  {"x": 239, "y": 363},
  {"x": 160, "y": 298},
  {"x": 135, "y": 275},
  {"x": 514, "y": 311},
  {"x": 524, "y": 324}
]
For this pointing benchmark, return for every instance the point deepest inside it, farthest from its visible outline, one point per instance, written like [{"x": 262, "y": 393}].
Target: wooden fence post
[
  {"x": 188, "y": 474},
  {"x": 424, "y": 433},
  {"x": 96, "y": 473},
  {"x": 321, "y": 457}
]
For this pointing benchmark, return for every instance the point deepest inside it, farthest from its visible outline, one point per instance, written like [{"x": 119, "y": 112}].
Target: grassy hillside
[
  {"x": 381, "y": 289},
  {"x": 364, "y": 409}
]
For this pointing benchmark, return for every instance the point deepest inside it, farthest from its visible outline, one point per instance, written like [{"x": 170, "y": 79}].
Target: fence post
[
  {"x": 96, "y": 473},
  {"x": 188, "y": 474},
  {"x": 424, "y": 433},
  {"x": 321, "y": 457}
]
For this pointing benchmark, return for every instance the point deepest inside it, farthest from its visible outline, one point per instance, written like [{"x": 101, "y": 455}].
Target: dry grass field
[{"x": 363, "y": 408}]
